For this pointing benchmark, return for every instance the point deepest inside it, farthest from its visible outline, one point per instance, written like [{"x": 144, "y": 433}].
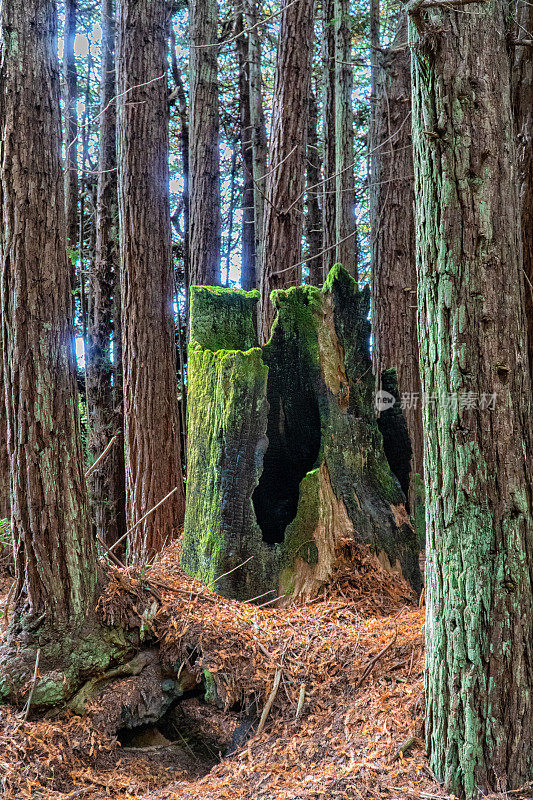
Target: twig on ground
[
  {"x": 269, "y": 702},
  {"x": 375, "y": 660},
  {"x": 30, "y": 697}
]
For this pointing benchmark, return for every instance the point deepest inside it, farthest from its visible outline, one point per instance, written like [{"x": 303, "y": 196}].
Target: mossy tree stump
[{"x": 286, "y": 465}]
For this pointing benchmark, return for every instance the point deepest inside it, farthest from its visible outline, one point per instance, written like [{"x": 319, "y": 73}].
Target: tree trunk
[
  {"x": 286, "y": 467},
  {"x": 285, "y": 182},
  {"x": 313, "y": 220},
  {"x": 345, "y": 224},
  {"x": 258, "y": 131},
  {"x": 473, "y": 356},
  {"x": 70, "y": 78},
  {"x": 204, "y": 144},
  {"x": 56, "y": 570},
  {"x": 329, "y": 202},
  {"x": 108, "y": 480},
  {"x": 181, "y": 97},
  {"x": 523, "y": 109},
  {"x": 5, "y": 472},
  {"x": 395, "y": 337},
  {"x": 248, "y": 266},
  {"x": 152, "y": 430}
]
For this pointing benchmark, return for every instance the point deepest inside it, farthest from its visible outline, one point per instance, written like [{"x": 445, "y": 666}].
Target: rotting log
[{"x": 286, "y": 465}]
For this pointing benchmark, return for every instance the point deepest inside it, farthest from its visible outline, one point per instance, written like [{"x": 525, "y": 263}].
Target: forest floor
[{"x": 338, "y": 681}]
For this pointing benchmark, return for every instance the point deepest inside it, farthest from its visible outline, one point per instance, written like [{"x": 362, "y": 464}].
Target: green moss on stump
[{"x": 284, "y": 439}]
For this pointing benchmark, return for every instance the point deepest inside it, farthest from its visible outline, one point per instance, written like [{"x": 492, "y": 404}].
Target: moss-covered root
[{"x": 65, "y": 659}]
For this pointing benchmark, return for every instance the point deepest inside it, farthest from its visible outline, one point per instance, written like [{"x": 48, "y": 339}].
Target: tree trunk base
[{"x": 45, "y": 665}]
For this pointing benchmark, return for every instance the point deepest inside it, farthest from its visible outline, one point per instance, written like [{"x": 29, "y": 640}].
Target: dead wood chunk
[{"x": 286, "y": 462}]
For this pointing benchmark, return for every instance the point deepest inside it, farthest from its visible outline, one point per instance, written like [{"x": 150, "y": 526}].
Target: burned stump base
[{"x": 285, "y": 460}]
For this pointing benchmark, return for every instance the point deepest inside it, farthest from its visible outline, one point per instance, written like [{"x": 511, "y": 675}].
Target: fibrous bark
[
  {"x": 152, "y": 430},
  {"x": 479, "y": 628},
  {"x": 258, "y": 129},
  {"x": 395, "y": 337},
  {"x": 345, "y": 222},
  {"x": 70, "y": 79},
  {"x": 313, "y": 219},
  {"x": 340, "y": 228},
  {"x": 55, "y": 561},
  {"x": 287, "y": 466},
  {"x": 522, "y": 76},
  {"x": 204, "y": 144},
  {"x": 104, "y": 406},
  {"x": 248, "y": 265},
  {"x": 285, "y": 181},
  {"x": 329, "y": 187}
]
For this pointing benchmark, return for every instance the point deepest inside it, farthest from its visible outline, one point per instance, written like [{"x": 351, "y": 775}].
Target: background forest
[{"x": 267, "y": 338}]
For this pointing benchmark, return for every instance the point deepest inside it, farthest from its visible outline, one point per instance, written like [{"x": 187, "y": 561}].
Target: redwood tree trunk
[
  {"x": 152, "y": 430},
  {"x": 248, "y": 268},
  {"x": 313, "y": 219},
  {"x": 70, "y": 79},
  {"x": 285, "y": 182},
  {"x": 104, "y": 412},
  {"x": 5, "y": 474},
  {"x": 258, "y": 130},
  {"x": 395, "y": 337},
  {"x": 479, "y": 627},
  {"x": 523, "y": 108},
  {"x": 204, "y": 144},
  {"x": 54, "y": 550},
  {"x": 329, "y": 208},
  {"x": 346, "y": 250}
]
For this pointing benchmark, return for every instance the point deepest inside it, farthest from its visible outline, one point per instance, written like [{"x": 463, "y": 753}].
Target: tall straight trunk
[
  {"x": 479, "y": 628},
  {"x": 345, "y": 222},
  {"x": 313, "y": 219},
  {"x": 56, "y": 568},
  {"x": 152, "y": 429},
  {"x": 181, "y": 98},
  {"x": 523, "y": 109},
  {"x": 5, "y": 474},
  {"x": 70, "y": 80},
  {"x": 104, "y": 414},
  {"x": 285, "y": 182},
  {"x": 248, "y": 267},
  {"x": 394, "y": 332},
  {"x": 258, "y": 131},
  {"x": 329, "y": 202},
  {"x": 231, "y": 210},
  {"x": 204, "y": 160}
]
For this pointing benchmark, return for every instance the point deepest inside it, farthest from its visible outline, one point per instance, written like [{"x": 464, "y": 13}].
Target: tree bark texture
[
  {"x": 152, "y": 431},
  {"x": 285, "y": 181},
  {"x": 54, "y": 550},
  {"x": 313, "y": 219},
  {"x": 5, "y": 473},
  {"x": 183, "y": 113},
  {"x": 104, "y": 408},
  {"x": 394, "y": 281},
  {"x": 70, "y": 82},
  {"x": 329, "y": 202},
  {"x": 346, "y": 251},
  {"x": 205, "y": 221},
  {"x": 523, "y": 108},
  {"x": 248, "y": 266},
  {"x": 472, "y": 334},
  {"x": 258, "y": 130}
]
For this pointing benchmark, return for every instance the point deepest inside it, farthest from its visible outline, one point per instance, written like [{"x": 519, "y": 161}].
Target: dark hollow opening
[
  {"x": 293, "y": 431},
  {"x": 396, "y": 441}
]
